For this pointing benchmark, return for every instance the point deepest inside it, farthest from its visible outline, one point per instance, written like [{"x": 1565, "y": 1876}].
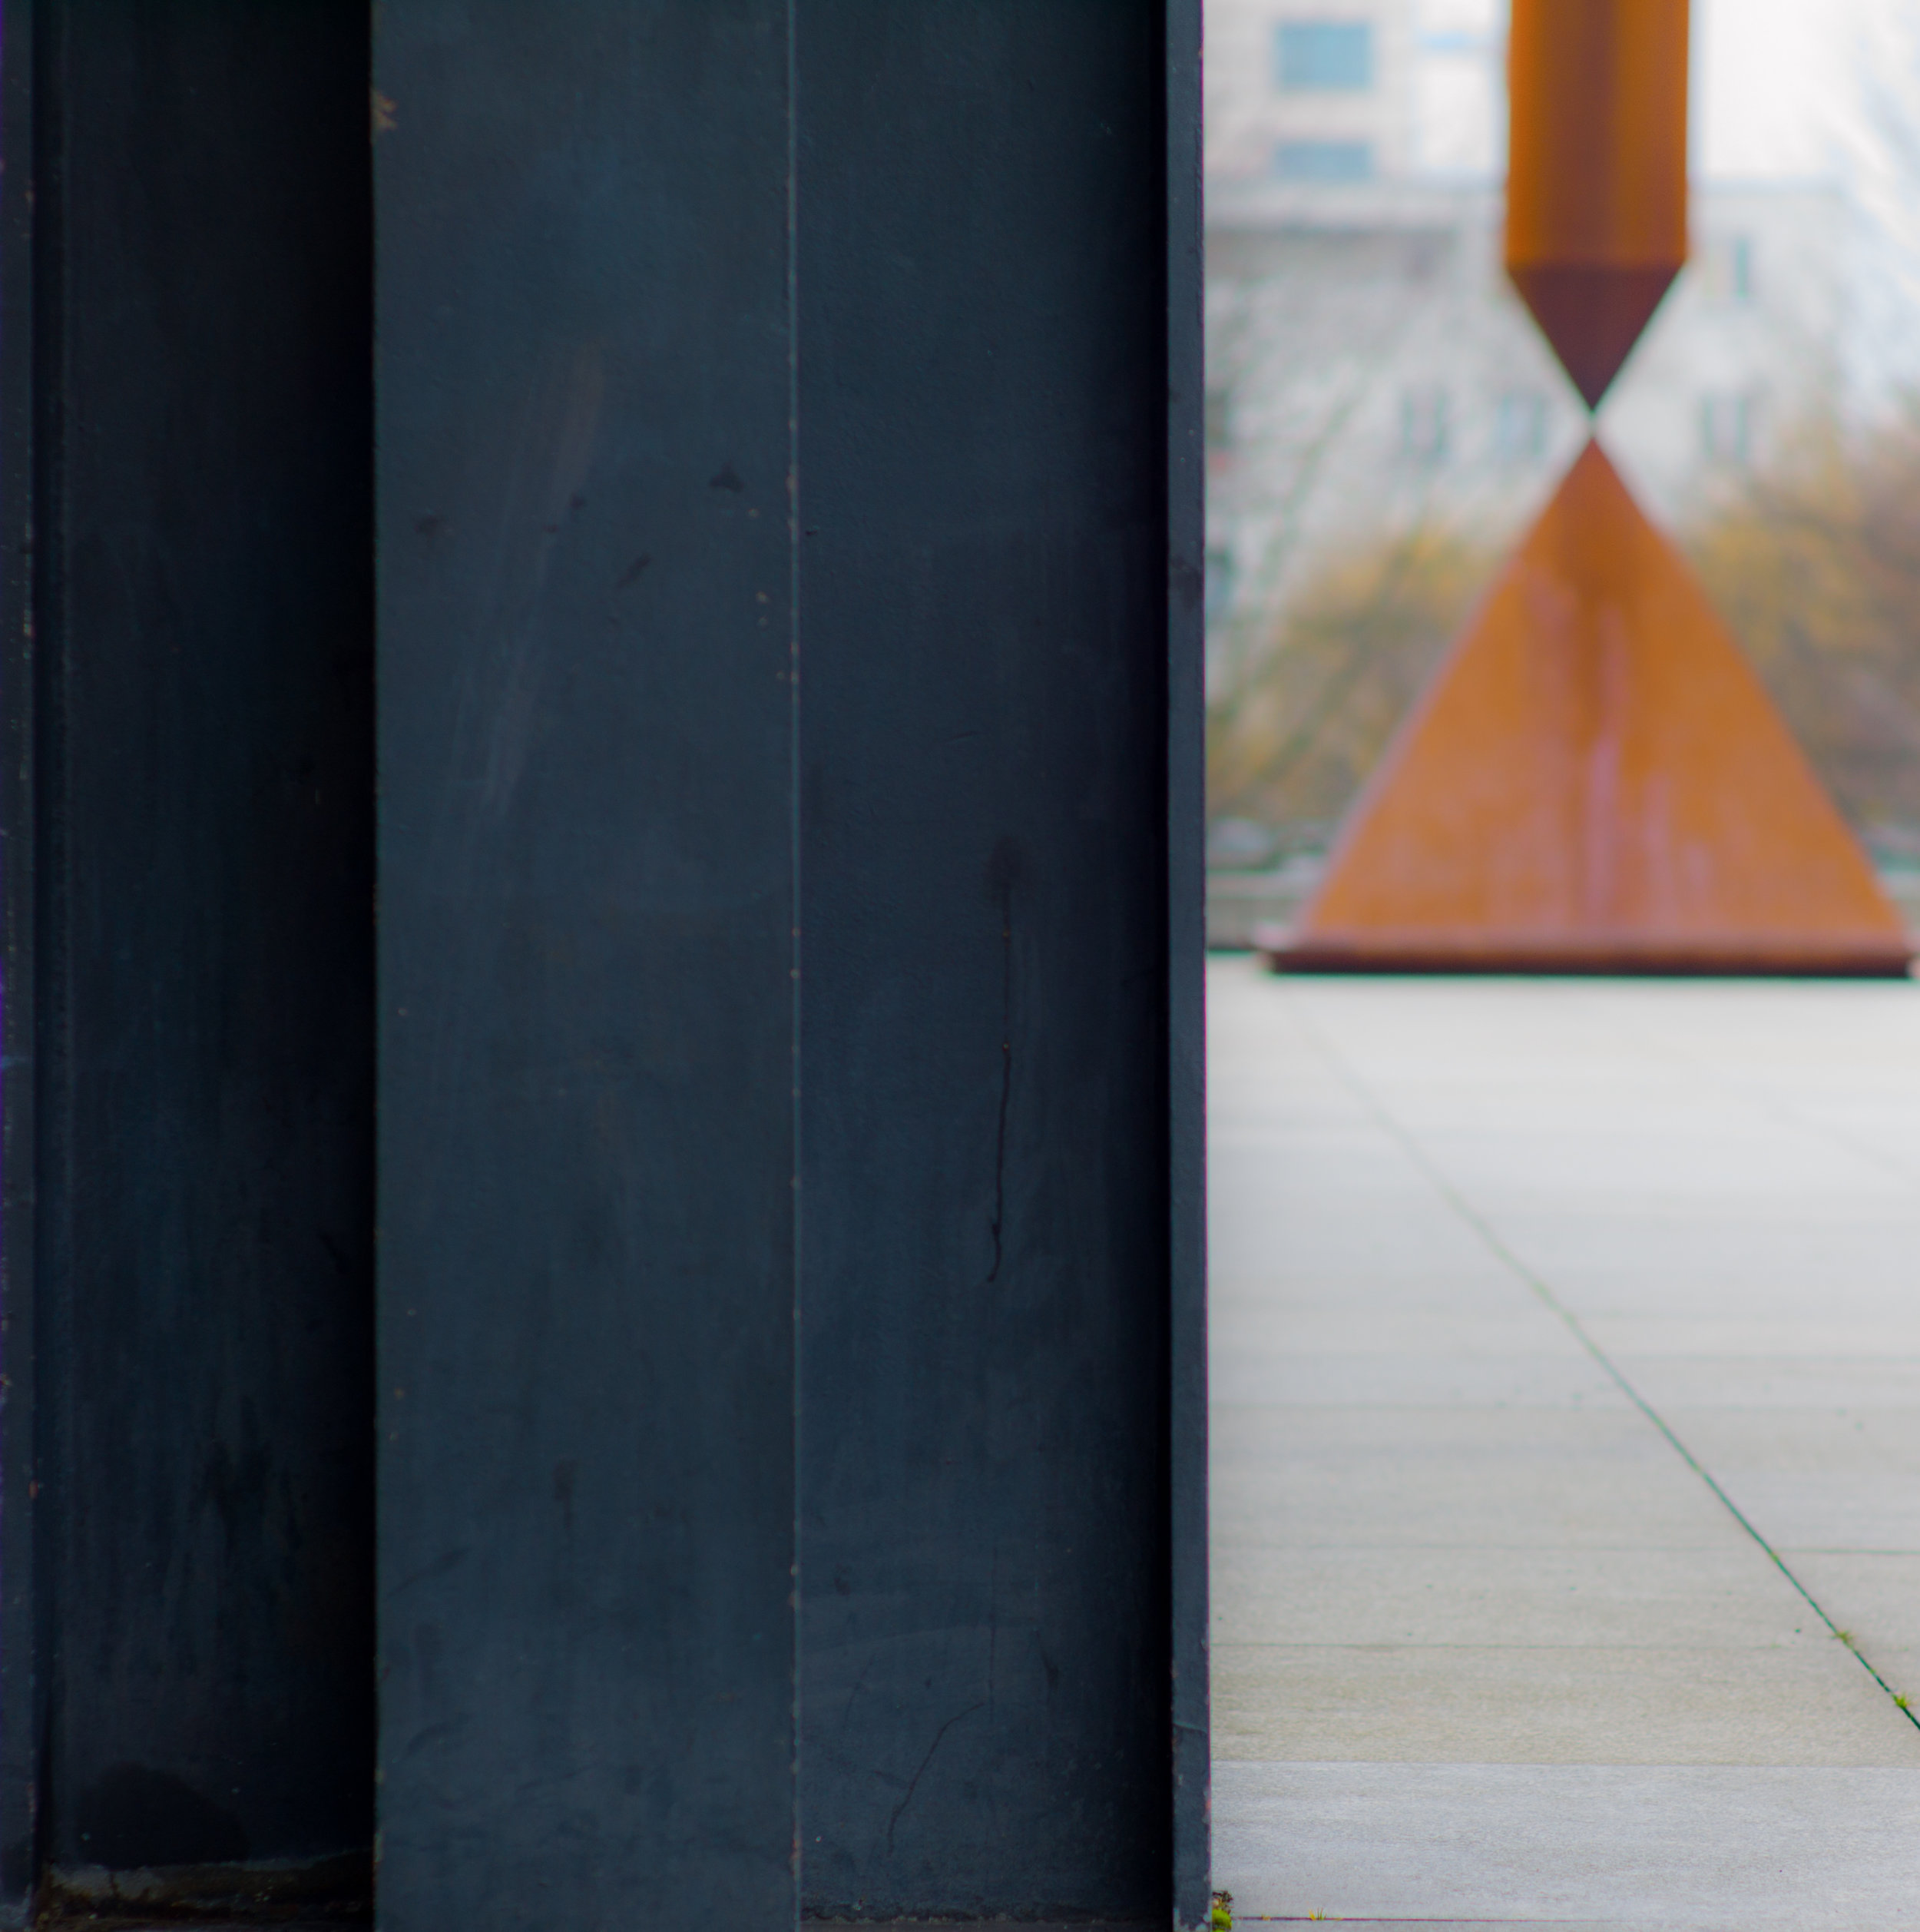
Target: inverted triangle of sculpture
[
  {"x": 1592, "y": 314},
  {"x": 1597, "y": 777}
]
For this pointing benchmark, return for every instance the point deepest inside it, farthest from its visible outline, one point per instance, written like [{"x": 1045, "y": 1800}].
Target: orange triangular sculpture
[{"x": 1597, "y": 782}]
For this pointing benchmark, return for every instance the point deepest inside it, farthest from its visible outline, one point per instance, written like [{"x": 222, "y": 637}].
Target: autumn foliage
[
  {"x": 1814, "y": 561},
  {"x": 1291, "y": 739}
]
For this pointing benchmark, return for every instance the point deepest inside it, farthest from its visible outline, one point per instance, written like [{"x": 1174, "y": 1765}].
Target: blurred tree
[
  {"x": 1814, "y": 563},
  {"x": 1291, "y": 739}
]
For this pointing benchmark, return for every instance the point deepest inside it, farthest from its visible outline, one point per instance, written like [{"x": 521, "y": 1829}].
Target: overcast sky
[
  {"x": 1775, "y": 80},
  {"x": 1782, "y": 85}
]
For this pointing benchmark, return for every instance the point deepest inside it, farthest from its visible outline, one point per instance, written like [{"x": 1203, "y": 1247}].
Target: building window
[
  {"x": 1726, "y": 428},
  {"x": 1424, "y": 425},
  {"x": 1740, "y": 268},
  {"x": 1520, "y": 426},
  {"x": 1727, "y": 263},
  {"x": 1323, "y": 56},
  {"x": 1324, "y": 160},
  {"x": 1222, "y": 577},
  {"x": 1219, "y": 419}
]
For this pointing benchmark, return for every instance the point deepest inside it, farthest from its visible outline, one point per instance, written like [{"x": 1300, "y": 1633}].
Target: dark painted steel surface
[
  {"x": 20, "y": 1683},
  {"x": 587, "y": 882},
  {"x": 1186, "y": 965},
  {"x": 985, "y": 1303},
  {"x": 586, "y": 944},
  {"x": 594, "y": 873},
  {"x": 200, "y": 694}
]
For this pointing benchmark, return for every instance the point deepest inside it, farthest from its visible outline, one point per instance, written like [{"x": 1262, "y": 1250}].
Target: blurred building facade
[{"x": 1368, "y": 368}]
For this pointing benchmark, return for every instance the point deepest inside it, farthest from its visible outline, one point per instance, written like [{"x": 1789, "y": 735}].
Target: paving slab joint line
[{"x": 1502, "y": 1253}]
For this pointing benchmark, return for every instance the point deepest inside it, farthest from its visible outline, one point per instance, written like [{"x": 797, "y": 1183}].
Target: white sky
[
  {"x": 1822, "y": 90},
  {"x": 1775, "y": 82}
]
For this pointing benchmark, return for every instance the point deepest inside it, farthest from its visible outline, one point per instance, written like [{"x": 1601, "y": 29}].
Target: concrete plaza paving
[{"x": 1565, "y": 1344}]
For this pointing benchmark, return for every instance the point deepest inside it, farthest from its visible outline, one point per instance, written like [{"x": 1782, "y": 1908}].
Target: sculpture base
[{"x": 1787, "y": 959}]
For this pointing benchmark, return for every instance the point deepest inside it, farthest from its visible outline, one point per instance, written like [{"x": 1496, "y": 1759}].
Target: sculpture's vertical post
[
  {"x": 1597, "y": 781},
  {"x": 1597, "y": 173}
]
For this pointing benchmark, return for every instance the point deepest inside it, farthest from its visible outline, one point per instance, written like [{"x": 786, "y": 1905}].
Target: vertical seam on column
[
  {"x": 52, "y": 1251},
  {"x": 23, "y": 1528},
  {"x": 793, "y": 883}
]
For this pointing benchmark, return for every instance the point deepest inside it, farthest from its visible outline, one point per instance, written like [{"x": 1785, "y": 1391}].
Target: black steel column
[
  {"x": 789, "y": 915},
  {"x": 187, "y": 691},
  {"x": 22, "y": 1681},
  {"x": 586, "y": 952},
  {"x": 988, "y": 1288},
  {"x": 599, "y": 383}
]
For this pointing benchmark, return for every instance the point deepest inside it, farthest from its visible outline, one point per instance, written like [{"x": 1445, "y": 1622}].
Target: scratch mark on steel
[
  {"x": 1006, "y": 1079},
  {"x": 913, "y": 1784}
]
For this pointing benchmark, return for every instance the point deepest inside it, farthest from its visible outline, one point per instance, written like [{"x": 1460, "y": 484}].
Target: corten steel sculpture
[{"x": 1596, "y": 780}]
